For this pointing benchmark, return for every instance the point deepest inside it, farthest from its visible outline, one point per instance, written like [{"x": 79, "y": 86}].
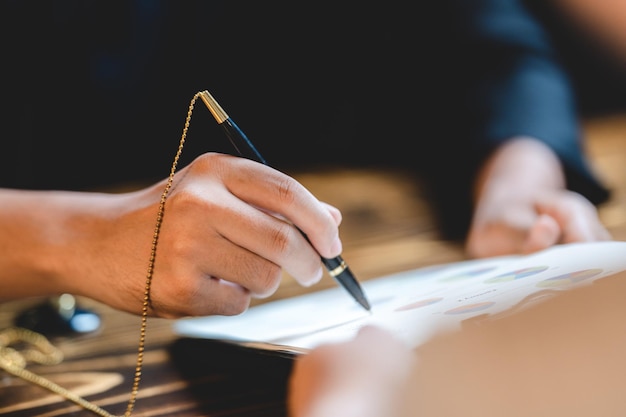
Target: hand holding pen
[{"x": 336, "y": 266}]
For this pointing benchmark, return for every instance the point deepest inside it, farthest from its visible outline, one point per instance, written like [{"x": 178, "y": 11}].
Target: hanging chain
[{"x": 14, "y": 361}]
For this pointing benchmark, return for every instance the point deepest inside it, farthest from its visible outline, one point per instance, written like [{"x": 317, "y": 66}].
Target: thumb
[{"x": 544, "y": 232}]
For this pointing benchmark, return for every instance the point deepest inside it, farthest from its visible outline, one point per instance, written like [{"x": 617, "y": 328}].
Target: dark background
[{"x": 95, "y": 93}]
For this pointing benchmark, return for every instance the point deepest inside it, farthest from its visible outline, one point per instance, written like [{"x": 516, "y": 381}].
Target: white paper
[{"x": 415, "y": 304}]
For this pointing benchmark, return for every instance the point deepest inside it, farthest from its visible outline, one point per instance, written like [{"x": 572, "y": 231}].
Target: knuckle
[
  {"x": 286, "y": 187},
  {"x": 212, "y": 162},
  {"x": 182, "y": 201},
  {"x": 208, "y": 159},
  {"x": 267, "y": 279},
  {"x": 280, "y": 238}
]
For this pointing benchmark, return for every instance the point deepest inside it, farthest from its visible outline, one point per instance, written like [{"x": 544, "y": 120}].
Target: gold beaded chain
[{"x": 14, "y": 361}]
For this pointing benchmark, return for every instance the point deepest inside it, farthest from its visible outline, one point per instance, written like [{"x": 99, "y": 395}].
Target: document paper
[{"x": 415, "y": 304}]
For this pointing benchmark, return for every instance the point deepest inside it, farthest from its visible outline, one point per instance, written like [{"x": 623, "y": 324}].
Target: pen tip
[{"x": 365, "y": 304}]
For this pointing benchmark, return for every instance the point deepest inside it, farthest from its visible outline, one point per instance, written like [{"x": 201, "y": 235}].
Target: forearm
[{"x": 43, "y": 235}]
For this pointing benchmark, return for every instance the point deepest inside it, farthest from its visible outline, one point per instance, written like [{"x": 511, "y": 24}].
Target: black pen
[{"x": 337, "y": 267}]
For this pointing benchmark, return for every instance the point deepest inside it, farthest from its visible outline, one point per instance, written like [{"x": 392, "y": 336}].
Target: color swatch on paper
[
  {"x": 569, "y": 278},
  {"x": 513, "y": 275},
  {"x": 470, "y": 308}
]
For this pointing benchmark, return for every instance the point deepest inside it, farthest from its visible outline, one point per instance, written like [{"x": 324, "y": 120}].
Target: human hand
[
  {"x": 229, "y": 228},
  {"x": 522, "y": 205},
  {"x": 364, "y": 377}
]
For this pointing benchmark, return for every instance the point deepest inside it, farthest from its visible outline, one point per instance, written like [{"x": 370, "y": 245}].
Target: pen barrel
[
  {"x": 335, "y": 266},
  {"x": 241, "y": 142},
  {"x": 339, "y": 270}
]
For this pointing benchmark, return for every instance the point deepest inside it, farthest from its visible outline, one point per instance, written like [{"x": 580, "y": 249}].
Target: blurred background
[{"x": 369, "y": 104}]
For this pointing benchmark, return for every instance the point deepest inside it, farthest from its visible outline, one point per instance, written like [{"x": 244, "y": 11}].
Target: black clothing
[{"x": 96, "y": 93}]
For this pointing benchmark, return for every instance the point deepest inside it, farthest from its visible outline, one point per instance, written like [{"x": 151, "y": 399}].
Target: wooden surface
[{"x": 387, "y": 228}]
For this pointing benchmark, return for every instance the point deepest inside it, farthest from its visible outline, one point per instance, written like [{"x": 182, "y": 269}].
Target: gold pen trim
[
  {"x": 216, "y": 110},
  {"x": 337, "y": 271}
]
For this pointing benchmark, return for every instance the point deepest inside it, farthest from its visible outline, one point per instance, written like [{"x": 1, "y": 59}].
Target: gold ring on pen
[{"x": 342, "y": 267}]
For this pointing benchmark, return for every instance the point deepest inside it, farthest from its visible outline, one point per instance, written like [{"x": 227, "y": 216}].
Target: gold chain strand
[
  {"x": 14, "y": 362},
  {"x": 11, "y": 361},
  {"x": 155, "y": 239},
  {"x": 43, "y": 352}
]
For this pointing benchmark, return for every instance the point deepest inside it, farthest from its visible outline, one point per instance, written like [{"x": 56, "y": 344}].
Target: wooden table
[{"x": 387, "y": 228}]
